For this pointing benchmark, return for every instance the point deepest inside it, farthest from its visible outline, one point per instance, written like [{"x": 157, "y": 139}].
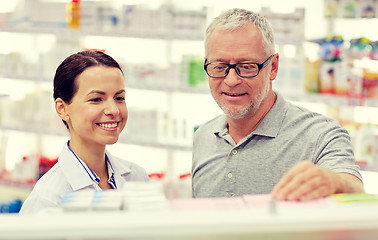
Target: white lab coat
[{"x": 70, "y": 173}]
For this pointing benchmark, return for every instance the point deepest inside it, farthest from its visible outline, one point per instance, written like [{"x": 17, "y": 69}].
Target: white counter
[{"x": 315, "y": 220}]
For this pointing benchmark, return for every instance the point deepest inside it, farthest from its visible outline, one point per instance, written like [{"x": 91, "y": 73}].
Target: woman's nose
[{"x": 111, "y": 108}]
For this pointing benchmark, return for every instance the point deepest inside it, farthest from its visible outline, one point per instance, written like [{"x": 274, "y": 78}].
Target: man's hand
[{"x": 306, "y": 181}]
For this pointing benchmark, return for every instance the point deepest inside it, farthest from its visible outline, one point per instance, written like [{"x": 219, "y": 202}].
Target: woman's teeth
[{"x": 108, "y": 125}]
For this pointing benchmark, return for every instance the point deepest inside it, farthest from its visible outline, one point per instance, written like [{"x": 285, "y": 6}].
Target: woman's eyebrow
[
  {"x": 96, "y": 91},
  {"x": 120, "y": 91},
  {"x": 103, "y": 93}
]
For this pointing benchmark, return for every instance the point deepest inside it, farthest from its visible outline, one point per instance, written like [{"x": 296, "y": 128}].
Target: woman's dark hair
[{"x": 65, "y": 86}]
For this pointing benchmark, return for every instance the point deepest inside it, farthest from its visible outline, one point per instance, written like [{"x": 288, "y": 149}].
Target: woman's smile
[{"x": 108, "y": 126}]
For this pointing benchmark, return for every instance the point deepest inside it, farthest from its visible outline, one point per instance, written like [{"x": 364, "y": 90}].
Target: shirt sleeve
[{"x": 335, "y": 152}]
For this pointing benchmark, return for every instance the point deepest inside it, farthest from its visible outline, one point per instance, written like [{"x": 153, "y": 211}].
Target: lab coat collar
[{"x": 80, "y": 176}]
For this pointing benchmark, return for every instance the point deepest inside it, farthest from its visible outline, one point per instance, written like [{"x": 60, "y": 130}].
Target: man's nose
[{"x": 232, "y": 78}]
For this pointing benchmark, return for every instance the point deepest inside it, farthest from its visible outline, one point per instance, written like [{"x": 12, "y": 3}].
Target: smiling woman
[
  {"x": 89, "y": 95},
  {"x": 97, "y": 113}
]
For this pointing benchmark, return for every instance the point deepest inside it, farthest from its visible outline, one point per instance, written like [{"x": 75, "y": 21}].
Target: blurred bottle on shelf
[
  {"x": 73, "y": 14},
  {"x": 184, "y": 186},
  {"x": 365, "y": 143},
  {"x": 350, "y": 8},
  {"x": 11, "y": 206},
  {"x": 312, "y": 78},
  {"x": 45, "y": 164},
  {"x": 370, "y": 85},
  {"x": 195, "y": 71}
]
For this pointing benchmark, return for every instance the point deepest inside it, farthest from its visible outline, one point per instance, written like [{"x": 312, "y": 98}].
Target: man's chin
[{"x": 236, "y": 114}]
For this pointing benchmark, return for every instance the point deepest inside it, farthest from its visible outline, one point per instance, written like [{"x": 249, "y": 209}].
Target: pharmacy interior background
[{"x": 160, "y": 47}]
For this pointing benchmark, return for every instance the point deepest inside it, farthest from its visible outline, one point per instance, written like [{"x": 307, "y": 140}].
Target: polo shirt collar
[
  {"x": 269, "y": 126},
  {"x": 272, "y": 122}
]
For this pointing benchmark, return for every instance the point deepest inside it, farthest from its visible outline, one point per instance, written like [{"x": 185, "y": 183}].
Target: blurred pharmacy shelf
[
  {"x": 49, "y": 39},
  {"x": 139, "y": 86},
  {"x": 170, "y": 99},
  {"x": 125, "y": 140},
  {"x": 14, "y": 190},
  {"x": 327, "y": 99},
  {"x": 77, "y": 33},
  {"x": 333, "y": 100}
]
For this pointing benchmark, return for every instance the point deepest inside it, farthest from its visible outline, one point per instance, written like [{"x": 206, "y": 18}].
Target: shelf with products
[
  {"x": 157, "y": 81},
  {"x": 138, "y": 85},
  {"x": 77, "y": 33},
  {"x": 346, "y": 73},
  {"x": 327, "y": 99},
  {"x": 32, "y": 111},
  {"x": 123, "y": 30},
  {"x": 349, "y": 59},
  {"x": 167, "y": 134},
  {"x": 107, "y": 18},
  {"x": 346, "y": 68},
  {"x": 41, "y": 130},
  {"x": 126, "y": 22},
  {"x": 333, "y": 100}
]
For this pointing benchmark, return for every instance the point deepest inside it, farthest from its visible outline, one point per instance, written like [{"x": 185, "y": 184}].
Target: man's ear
[
  {"x": 61, "y": 109},
  {"x": 274, "y": 69}
]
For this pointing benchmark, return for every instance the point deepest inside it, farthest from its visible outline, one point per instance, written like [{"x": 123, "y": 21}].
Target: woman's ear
[{"x": 61, "y": 109}]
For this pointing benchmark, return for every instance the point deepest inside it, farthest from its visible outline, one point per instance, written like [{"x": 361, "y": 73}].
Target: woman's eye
[
  {"x": 120, "y": 99},
  {"x": 95, "y": 100}
]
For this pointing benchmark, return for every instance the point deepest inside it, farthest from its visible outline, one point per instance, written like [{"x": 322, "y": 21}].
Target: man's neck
[{"x": 240, "y": 128}]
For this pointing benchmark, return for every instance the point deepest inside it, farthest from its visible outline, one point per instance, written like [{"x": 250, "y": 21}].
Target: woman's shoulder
[
  {"x": 124, "y": 166},
  {"x": 47, "y": 192},
  {"x": 53, "y": 179}
]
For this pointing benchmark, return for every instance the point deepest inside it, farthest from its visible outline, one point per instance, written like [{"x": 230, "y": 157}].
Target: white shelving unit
[{"x": 170, "y": 155}]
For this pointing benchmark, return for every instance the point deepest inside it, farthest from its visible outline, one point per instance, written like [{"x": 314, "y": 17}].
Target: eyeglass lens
[{"x": 243, "y": 69}]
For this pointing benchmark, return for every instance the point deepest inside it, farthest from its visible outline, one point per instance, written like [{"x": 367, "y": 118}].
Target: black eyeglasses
[{"x": 246, "y": 69}]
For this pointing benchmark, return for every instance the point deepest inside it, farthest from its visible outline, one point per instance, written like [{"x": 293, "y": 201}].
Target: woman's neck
[{"x": 92, "y": 154}]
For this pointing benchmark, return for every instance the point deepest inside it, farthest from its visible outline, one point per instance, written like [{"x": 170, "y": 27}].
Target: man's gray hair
[{"x": 236, "y": 18}]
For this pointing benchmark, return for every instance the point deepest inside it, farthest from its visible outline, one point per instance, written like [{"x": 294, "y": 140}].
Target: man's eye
[
  {"x": 219, "y": 67},
  {"x": 248, "y": 66}
]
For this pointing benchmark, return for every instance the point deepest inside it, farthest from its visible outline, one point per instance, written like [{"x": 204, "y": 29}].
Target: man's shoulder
[
  {"x": 299, "y": 118},
  {"x": 215, "y": 124}
]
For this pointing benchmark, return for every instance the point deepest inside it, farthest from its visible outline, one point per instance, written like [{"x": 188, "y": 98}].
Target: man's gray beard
[
  {"x": 248, "y": 110},
  {"x": 235, "y": 115}
]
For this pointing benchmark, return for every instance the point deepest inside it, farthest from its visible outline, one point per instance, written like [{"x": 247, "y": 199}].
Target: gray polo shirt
[{"x": 287, "y": 134}]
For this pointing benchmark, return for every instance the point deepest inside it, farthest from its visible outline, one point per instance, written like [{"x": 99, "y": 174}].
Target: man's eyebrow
[{"x": 239, "y": 60}]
